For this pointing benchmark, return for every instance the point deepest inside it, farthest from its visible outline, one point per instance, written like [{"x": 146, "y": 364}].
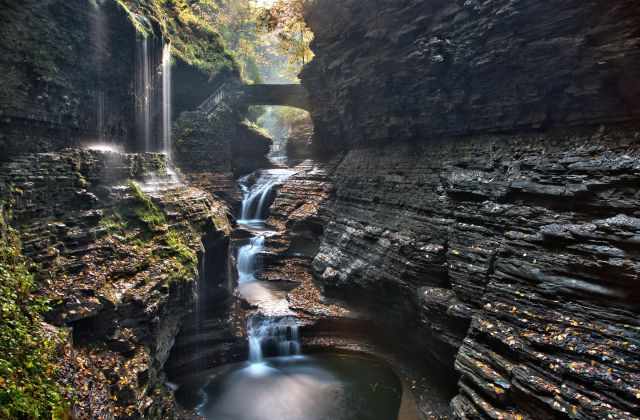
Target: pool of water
[{"x": 318, "y": 387}]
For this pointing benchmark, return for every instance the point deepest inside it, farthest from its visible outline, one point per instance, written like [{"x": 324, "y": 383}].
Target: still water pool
[{"x": 318, "y": 387}]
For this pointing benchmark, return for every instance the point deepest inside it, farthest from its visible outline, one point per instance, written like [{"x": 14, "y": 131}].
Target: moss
[
  {"x": 179, "y": 272},
  {"x": 113, "y": 223},
  {"x": 193, "y": 39},
  {"x": 256, "y": 128},
  {"x": 145, "y": 209},
  {"x": 178, "y": 244},
  {"x": 27, "y": 353}
]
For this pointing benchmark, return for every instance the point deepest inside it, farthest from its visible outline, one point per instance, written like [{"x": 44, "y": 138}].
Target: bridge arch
[
  {"x": 283, "y": 95},
  {"x": 293, "y": 95}
]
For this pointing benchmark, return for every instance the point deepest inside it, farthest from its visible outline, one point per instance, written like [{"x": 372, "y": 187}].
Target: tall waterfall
[
  {"x": 143, "y": 93},
  {"x": 166, "y": 99},
  {"x": 100, "y": 46}
]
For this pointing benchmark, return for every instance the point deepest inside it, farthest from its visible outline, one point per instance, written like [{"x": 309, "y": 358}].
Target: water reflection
[{"x": 323, "y": 387}]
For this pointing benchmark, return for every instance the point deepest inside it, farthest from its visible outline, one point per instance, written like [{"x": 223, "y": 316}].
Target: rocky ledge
[
  {"x": 513, "y": 257},
  {"x": 117, "y": 242}
]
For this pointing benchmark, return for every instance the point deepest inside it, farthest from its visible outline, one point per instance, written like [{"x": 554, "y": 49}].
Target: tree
[{"x": 286, "y": 19}]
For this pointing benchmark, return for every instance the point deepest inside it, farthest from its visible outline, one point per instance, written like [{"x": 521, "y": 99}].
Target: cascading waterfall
[
  {"x": 100, "y": 46},
  {"x": 255, "y": 198},
  {"x": 278, "y": 337},
  {"x": 166, "y": 99},
  {"x": 248, "y": 259},
  {"x": 275, "y": 336}
]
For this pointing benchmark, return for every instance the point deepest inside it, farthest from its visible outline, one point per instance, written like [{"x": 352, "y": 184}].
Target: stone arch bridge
[{"x": 242, "y": 96}]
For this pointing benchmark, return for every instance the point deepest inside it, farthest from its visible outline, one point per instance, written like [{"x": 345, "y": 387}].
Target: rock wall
[
  {"x": 486, "y": 205},
  {"x": 119, "y": 263},
  {"x": 404, "y": 70},
  {"x": 62, "y": 61},
  {"x": 529, "y": 240},
  {"x": 71, "y": 69}
]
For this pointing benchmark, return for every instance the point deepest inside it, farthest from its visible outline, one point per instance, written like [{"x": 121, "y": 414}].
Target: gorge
[{"x": 444, "y": 224}]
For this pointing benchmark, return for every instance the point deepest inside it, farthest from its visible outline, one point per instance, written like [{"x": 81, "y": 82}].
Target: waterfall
[
  {"x": 166, "y": 99},
  {"x": 100, "y": 46},
  {"x": 143, "y": 93},
  {"x": 273, "y": 336},
  {"x": 255, "y": 198},
  {"x": 248, "y": 259},
  {"x": 266, "y": 336},
  {"x": 100, "y": 117}
]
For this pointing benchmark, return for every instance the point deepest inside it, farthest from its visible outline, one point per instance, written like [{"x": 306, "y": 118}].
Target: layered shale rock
[
  {"x": 54, "y": 61},
  {"x": 487, "y": 203},
  {"x": 118, "y": 259},
  {"x": 394, "y": 70},
  {"x": 533, "y": 248}
]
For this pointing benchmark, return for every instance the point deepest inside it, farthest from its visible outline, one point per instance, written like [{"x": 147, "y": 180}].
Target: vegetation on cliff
[
  {"x": 27, "y": 351},
  {"x": 285, "y": 19},
  {"x": 193, "y": 36}
]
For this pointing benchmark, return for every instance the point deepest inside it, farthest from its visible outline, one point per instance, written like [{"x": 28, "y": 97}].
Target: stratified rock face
[
  {"x": 213, "y": 149},
  {"x": 64, "y": 63},
  {"x": 488, "y": 201},
  {"x": 121, "y": 273},
  {"x": 397, "y": 70},
  {"x": 531, "y": 240},
  {"x": 249, "y": 148}
]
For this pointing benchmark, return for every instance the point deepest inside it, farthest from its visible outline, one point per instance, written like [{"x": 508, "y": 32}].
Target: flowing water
[
  {"x": 273, "y": 337},
  {"x": 143, "y": 93},
  {"x": 248, "y": 259},
  {"x": 278, "y": 381},
  {"x": 166, "y": 99},
  {"x": 257, "y": 197}
]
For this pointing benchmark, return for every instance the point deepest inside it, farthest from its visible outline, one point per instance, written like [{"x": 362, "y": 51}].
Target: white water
[
  {"x": 255, "y": 197},
  {"x": 143, "y": 93},
  {"x": 248, "y": 259},
  {"x": 166, "y": 99},
  {"x": 105, "y": 147},
  {"x": 101, "y": 47},
  {"x": 278, "y": 336}
]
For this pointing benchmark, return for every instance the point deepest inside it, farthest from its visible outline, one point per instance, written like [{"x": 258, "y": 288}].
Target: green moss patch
[{"x": 145, "y": 209}]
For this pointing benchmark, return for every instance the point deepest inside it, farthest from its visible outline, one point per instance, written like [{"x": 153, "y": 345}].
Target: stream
[{"x": 279, "y": 381}]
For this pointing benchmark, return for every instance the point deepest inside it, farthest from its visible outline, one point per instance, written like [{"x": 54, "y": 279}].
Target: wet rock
[
  {"x": 408, "y": 71},
  {"x": 528, "y": 291},
  {"x": 113, "y": 281}
]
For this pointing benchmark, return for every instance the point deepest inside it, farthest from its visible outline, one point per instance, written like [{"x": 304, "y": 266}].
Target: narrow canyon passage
[
  {"x": 345, "y": 377},
  {"x": 319, "y": 210}
]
